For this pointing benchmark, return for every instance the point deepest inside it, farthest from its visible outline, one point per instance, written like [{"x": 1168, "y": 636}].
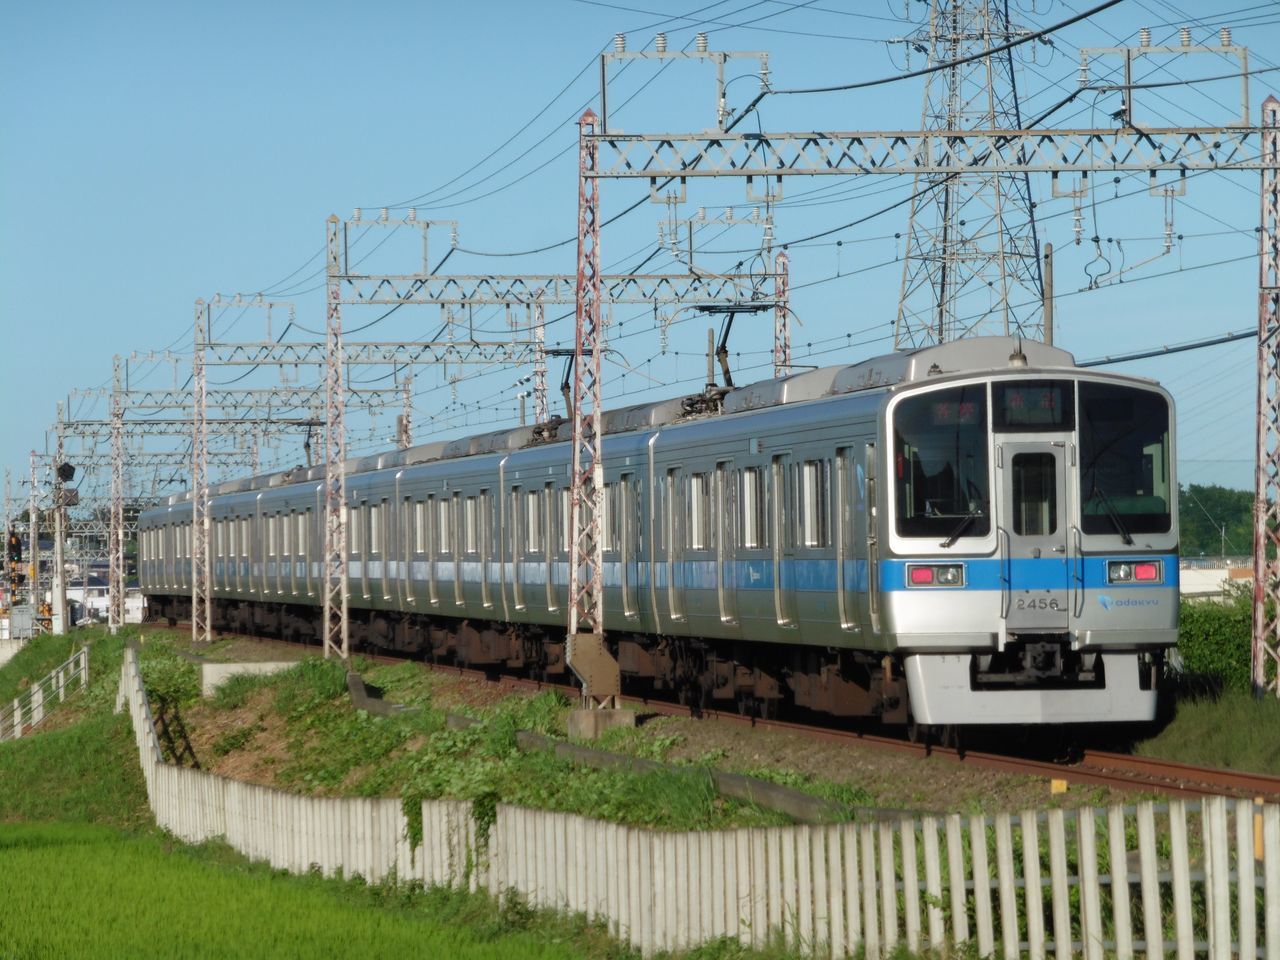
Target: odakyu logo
[{"x": 1110, "y": 603}]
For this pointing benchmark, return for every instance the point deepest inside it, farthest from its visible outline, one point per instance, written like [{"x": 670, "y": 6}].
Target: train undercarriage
[{"x": 759, "y": 679}]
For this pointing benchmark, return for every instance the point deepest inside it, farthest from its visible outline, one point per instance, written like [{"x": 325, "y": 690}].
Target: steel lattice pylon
[
  {"x": 201, "y": 595},
  {"x": 335, "y": 631},
  {"x": 969, "y": 233},
  {"x": 115, "y": 535},
  {"x": 540, "y": 412},
  {"x": 781, "y": 315},
  {"x": 1266, "y": 505},
  {"x": 586, "y": 654}
]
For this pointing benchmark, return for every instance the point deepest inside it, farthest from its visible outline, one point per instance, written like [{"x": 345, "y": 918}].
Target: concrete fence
[
  {"x": 1183, "y": 879},
  {"x": 28, "y": 710}
]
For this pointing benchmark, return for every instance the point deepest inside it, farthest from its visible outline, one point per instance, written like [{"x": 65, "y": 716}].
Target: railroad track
[{"x": 1118, "y": 771}]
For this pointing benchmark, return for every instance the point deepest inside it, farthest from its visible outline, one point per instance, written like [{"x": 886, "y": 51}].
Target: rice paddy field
[{"x": 73, "y": 890}]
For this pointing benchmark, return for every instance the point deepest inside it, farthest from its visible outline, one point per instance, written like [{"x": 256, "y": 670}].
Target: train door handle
[
  {"x": 1006, "y": 572},
  {"x": 1077, "y": 573}
]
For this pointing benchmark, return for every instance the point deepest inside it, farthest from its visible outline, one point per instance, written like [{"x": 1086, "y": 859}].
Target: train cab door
[{"x": 1035, "y": 574}]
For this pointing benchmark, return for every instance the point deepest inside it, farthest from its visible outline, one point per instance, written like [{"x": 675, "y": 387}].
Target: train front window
[
  {"x": 1125, "y": 483},
  {"x": 940, "y": 445}
]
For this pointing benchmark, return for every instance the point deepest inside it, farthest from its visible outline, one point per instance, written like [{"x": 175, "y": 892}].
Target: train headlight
[
  {"x": 935, "y": 575},
  {"x": 1128, "y": 571}
]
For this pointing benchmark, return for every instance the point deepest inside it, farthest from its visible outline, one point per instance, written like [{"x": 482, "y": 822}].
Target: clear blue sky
[{"x": 154, "y": 153}]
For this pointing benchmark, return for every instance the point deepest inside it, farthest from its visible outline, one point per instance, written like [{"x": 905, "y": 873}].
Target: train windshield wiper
[
  {"x": 1113, "y": 515},
  {"x": 961, "y": 527}
]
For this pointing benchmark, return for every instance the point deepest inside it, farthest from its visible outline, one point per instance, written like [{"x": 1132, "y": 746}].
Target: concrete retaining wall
[{"x": 213, "y": 675}]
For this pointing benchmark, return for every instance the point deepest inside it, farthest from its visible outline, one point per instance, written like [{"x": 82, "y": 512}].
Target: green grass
[
  {"x": 1232, "y": 730},
  {"x": 416, "y": 756},
  {"x": 89, "y": 890}
]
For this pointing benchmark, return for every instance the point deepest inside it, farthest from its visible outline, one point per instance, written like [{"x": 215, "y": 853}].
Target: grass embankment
[
  {"x": 104, "y": 883},
  {"x": 1215, "y": 719},
  {"x": 297, "y": 729},
  {"x": 81, "y": 765}
]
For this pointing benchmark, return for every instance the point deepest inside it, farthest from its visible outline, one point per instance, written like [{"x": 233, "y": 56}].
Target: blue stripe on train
[{"x": 816, "y": 575}]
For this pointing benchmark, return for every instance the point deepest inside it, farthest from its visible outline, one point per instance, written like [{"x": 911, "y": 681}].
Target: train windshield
[
  {"x": 1124, "y": 460},
  {"x": 941, "y": 464}
]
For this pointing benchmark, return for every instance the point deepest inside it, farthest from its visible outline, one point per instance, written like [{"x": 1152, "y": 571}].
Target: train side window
[
  {"x": 444, "y": 529},
  {"x": 302, "y": 532},
  {"x": 672, "y": 509},
  {"x": 815, "y": 483},
  {"x": 565, "y": 531},
  {"x": 470, "y": 528},
  {"x": 286, "y": 529},
  {"x": 271, "y": 536},
  {"x": 699, "y": 512},
  {"x": 375, "y": 529},
  {"x": 533, "y": 521},
  {"x": 355, "y": 535},
  {"x": 608, "y": 540},
  {"x": 419, "y": 527},
  {"x": 244, "y": 536},
  {"x": 754, "y": 527}
]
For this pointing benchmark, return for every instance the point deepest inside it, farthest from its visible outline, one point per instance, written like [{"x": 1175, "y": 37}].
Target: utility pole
[
  {"x": 781, "y": 315},
  {"x": 115, "y": 533},
  {"x": 1048, "y": 293},
  {"x": 201, "y": 590},
  {"x": 335, "y": 632},
  {"x": 585, "y": 652},
  {"x": 540, "y": 412},
  {"x": 33, "y": 578},
  {"x": 1266, "y": 504},
  {"x": 969, "y": 232},
  {"x": 58, "y": 585}
]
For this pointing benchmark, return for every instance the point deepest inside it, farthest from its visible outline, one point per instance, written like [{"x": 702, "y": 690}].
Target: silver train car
[{"x": 973, "y": 533}]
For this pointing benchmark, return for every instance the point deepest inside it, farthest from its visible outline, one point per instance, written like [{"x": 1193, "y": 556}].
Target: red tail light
[
  {"x": 1146, "y": 571},
  {"x": 921, "y": 576}
]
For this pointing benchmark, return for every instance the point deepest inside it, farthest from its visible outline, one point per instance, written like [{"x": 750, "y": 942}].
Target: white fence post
[
  {"x": 1181, "y": 865},
  {"x": 1031, "y": 878}
]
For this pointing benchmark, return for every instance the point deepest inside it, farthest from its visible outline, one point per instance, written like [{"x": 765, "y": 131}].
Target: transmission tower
[{"x": 970, "y": 235}]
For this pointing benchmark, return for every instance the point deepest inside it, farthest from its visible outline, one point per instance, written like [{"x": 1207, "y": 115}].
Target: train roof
[{"x": 958, "y": 357}]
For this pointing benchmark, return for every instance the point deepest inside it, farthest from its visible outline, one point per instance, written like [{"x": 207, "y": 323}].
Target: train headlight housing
[
  {"x": 1131, "y": 571},
  {"x": 935, "y": 575}
]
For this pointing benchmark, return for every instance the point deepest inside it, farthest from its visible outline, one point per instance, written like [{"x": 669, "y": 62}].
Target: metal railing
[{"x": 28, "y": 710}]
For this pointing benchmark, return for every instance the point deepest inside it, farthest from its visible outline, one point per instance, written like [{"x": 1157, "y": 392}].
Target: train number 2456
[{"x": 1037, "y": 603}]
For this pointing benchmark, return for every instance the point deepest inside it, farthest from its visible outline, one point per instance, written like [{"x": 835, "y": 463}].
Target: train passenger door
[
  {"x": 627, "y": 545},
  {"x": 724, "y": 501},
  {"x": 848, "y": 502},
  {"x": 782, "y": 514},
  {"x": 1035, "y": 573},
  {"x": 674, "y": 536}
]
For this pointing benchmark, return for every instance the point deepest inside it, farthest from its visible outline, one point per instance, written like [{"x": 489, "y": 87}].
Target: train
[{"x": 979, "y": 532}]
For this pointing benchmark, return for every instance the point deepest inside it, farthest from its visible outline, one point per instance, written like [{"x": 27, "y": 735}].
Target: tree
[{"x": 1203, "y": 511}]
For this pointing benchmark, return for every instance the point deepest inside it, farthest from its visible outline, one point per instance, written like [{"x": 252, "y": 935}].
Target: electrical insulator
[
  {"x": 1144, "y": 37},
  {"x": 619, "y": 43},
  {"x": 1184, "y": 35},
  {"x": 660, "y": 43},
  {"x": 355, "y": 215},
  {"x": 1077, "y": 221},
  {"x": 1225, "y": 36},
  {"x": 700, "y": 43}
]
